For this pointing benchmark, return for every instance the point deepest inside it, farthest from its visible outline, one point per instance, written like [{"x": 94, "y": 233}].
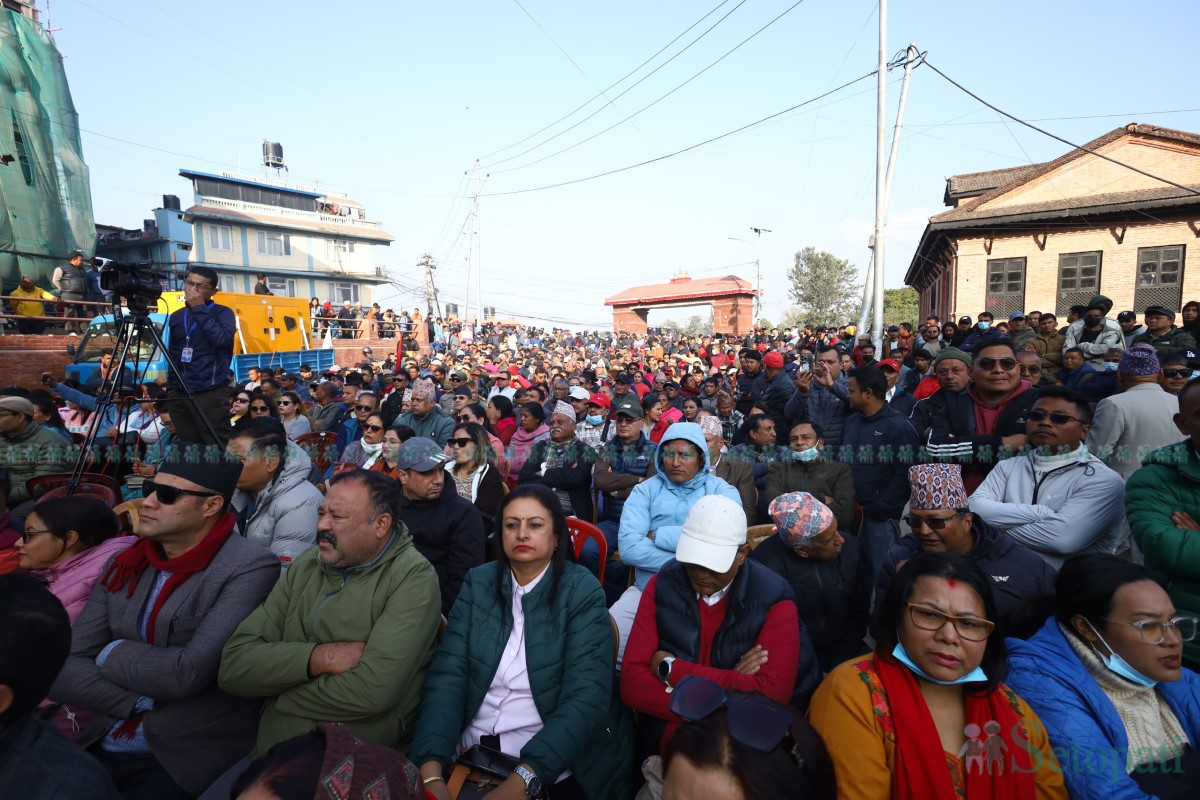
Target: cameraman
[{"x": 201, "y": 345}]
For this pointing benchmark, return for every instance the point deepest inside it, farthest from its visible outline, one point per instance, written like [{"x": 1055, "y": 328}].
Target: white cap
[
  {"x": 579, "y": 393},
  {"x": 714, "y": 531}
]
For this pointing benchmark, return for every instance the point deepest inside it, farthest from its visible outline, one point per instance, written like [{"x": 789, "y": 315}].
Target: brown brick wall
[{"x": 23, "y": 359}]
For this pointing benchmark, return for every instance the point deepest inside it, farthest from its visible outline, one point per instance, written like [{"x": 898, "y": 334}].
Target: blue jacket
[
  {"x": 661, "y": 505},
  {"x": 210, "y": 331},
  {"x": 978, "y": 339},
  {"x": 826, "y": 407},
  {"x": 880, "y": 476},
  {"x": 1080, "y": 719}
]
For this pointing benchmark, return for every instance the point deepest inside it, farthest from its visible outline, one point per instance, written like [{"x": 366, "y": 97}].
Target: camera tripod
[{"x": 135, "y": 325}]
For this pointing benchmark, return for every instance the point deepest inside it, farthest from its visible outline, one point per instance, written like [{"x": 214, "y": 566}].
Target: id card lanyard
[{"x": 186, "y": 355}]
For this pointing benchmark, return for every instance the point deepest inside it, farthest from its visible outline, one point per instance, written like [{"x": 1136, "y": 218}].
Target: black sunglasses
[
  {"x": 465, "y": 441},
  {"x": 263, "y": 409},
  {"x": 364, "y": 408},
  {"x": 1053, "y": 416},
  {"x": 933, "y": 523},
  {"x": 1176, "y": 373},
  {"x": 369, "y": 427},
  {"x": 989, "y": 364},
  {"x": 753, "y": 720},
  {"x": 169, "y": 495}
]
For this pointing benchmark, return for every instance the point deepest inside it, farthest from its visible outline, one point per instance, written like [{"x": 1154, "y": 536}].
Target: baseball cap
[
  {"x": 773, "y": 360},
  {"x": 629, "y": 409},
  {"x": 712, "y": 534},
  {"x": 1160, "y": 310},
  {"x": 579, "y": 393},
  {"x": 1126, "y": 316},
  {"x": 599, "y": 399},
  {"x": 421, "y": 454},
  {"x": 1016, "y": 315},
  {"x": 465, "y": 391},
  {"x": 895, "y": 328},
  {"x": 625, "y": 378},
  {"x": 889, "y": 363},
  {"x": 964, "y": 318}
]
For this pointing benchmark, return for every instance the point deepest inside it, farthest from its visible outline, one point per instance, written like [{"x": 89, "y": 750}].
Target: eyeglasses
[
  {"x": 455, "y": 379},
  {"x": 286, "y": 403},
  {"x": 240, "y": 400},
  {"x": 169, "y": 495},
  {"x": 989, "y": 364},
  {"x": 1154, "y": 631},
  {"x": 1053, "y": 416},
  {"x": 972, "y": 629},
  {"x": 933, "y": 523},
  {"x": 369, "y": 427},
  {"x": 360, "y": 407},
  {"x": 195, "y": 285},
  {"x": 1176, "y": 373},
  {"x": 753, "y": 720},
  {"x": 28, "y": 535},
  {"x": 1033, "y": 370},
  {"x": 465, "y": 441},
  {"x": 261, "y": 409}
]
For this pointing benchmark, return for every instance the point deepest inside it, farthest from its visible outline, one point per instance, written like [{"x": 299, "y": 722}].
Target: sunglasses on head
[
  {"x": 989, "y": 364},
  {"x": 753, "y": 720},
  {"x": 1054, "y": 416},
  {"x": 169, "y": 495}
]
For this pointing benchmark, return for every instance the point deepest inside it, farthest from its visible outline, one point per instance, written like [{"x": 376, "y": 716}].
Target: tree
[
  {"x": 765, "y": 324},
  {"x": 824, "y": 288},
  {"x": 697, "y": 326},
  {"x": 901, "y": 305}
]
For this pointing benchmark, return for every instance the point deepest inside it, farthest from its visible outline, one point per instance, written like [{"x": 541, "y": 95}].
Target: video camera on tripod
[{"x": 135, "y": 282}]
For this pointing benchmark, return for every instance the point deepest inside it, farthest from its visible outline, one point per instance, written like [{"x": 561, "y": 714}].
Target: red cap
[
  {"x": 890, "y": 363},
  {"x": 773, "y": 360},
  {"x": 598, "y": 399}
]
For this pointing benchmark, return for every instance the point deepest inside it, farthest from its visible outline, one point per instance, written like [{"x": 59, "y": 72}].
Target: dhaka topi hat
[
  {"x": 423, "y": 390},
  {"x": 798, "y": 517},
  {"x": 711, "y": 426},
  {"x": 565, "y": 410},
  {"x": 936, "y": 486},
  {"x": 1141, "y": 359}
]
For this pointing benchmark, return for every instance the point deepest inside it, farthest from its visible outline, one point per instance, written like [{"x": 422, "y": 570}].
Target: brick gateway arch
[{"x": 731, "y": 298}]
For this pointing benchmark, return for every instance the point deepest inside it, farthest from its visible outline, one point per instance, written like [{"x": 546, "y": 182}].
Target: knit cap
[{"x": 953, "y": 353}]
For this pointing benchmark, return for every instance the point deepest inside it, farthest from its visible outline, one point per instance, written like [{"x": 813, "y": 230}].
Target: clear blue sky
[{"x": 392, "y": 102}]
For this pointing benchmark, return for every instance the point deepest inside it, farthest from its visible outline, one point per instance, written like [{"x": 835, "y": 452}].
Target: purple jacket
[{"x": 71, "y": 581}]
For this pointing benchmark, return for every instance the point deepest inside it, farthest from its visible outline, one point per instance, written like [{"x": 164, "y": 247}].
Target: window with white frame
[
  {"x": 229, "y": 282},
  {"x": 284, "y": 287},
  {"x": 339, "y": 249},
  {"x": 273, "y": 243},
  {"x": 220, "y": 237},
  {"x": 341, "y": 292}
]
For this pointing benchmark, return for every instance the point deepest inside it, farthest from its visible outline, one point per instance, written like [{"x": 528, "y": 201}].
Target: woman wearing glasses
[
  {"x": 367, "y": 450},
  {"x": 475, "y": 480},
  {"x": 526, "y": 668},
  {"x": 293, "y": 416},
  {"x": 1104, "y": 674},
  {"x": 239, "y": 406},
  {"x": 918, "y": 719}
]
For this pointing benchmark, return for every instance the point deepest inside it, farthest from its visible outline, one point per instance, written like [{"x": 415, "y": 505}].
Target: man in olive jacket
[
  {"x": 1162, "y": 503},
  {"x": 348, "y": 631}
]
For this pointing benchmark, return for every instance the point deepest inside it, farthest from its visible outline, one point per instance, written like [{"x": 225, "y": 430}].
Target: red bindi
[{"x": 952, "y": 582}]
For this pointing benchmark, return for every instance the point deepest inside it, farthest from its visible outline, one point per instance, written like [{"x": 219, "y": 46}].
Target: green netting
[{"x": 45, "y": 199}]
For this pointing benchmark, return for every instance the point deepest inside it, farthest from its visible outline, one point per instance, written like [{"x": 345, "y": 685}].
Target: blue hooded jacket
[
  {"x": 1080, "y": 719},
  {"x": 660, "y": 505}
]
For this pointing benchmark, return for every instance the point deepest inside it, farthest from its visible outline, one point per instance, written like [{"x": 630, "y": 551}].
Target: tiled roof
[
  {"x": 1071, "y": 206},
  {"x": 681, "y": 289},
  {"x": 973, "y": 183},
  {"x": 340, "y": 231}
]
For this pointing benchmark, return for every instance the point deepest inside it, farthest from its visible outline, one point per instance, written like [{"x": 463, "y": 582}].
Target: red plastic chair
[
  {"x": 581, "y": 532},
  {"x": 94, "y": 490}
]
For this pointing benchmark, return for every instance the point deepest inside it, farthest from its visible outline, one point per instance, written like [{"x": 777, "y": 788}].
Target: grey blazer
[{"x": 196, "y": 731}]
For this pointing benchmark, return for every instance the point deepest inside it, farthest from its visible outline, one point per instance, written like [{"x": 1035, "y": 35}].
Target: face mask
[
  {"x": 1111, "y": 366},
  {"x": 594, "y": 419},
  {"x": 1118, "y": 665},
  {"x": 1091, "y": 322},
  {"x": 811, "y": 454},
  {"x": 974, "y": 676},
  {"x": 984, "y": 325}
]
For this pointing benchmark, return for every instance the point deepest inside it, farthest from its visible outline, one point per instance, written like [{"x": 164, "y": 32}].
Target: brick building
[
  {"x": 1048, "y": 236},
  {"x": 731, "y": 298}
]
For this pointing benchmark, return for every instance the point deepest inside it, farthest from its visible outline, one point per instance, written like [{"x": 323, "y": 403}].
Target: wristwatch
[
  {"x": 533, "y": 784},
  {"x": 664, "y": 668}
]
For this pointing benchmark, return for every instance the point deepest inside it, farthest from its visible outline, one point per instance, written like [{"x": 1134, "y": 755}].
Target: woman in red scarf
[{"x": 927, "y": 715}]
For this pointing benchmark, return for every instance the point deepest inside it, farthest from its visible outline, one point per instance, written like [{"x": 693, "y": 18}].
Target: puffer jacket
[
  {"x": 1110, "y": 336},
  {"x": 828, "y": 407},
  {"x": 661, "y": 505},
  {"x": 436, "y": 425},
  {"x": 285, "y": 513},
  {"x": 71, "y": 581},
  {"x": 820, "y": 478},
  {"x": 1169, "y": 481},
  {"x": 1175, "y": 340},
  {"x": 1080, "y": 718},
  {"x": 569, "y": 657}
]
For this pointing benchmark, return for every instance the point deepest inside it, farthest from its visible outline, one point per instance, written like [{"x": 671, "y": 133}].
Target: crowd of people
[{"x": 528, "y": 563}]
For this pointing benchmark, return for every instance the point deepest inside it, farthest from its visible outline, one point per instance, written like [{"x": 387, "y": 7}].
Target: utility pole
[
  {"x": 431, "y": 298},
  {"x": 758, "y": 232},
  {"x": 880, "y": 178},
  {"x": 473, "y": 249}
]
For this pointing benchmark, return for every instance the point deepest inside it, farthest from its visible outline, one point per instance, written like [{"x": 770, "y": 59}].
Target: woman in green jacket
[{"x": 526, "y": 667}]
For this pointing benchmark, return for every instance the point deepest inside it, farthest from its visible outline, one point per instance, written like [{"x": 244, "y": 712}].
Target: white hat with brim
[{"x": 714, "y": 531}]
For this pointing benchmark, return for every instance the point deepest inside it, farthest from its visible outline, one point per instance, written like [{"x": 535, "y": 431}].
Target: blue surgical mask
[
  {"x": 595, "y": 419},
  {"x": 811, "y": 454},
  {"x": 1111, "y": 366},
  {"x": 1118, "y": 665},
  {"x": 984, "y": 325},
  {"x": 974, "y": 676}
]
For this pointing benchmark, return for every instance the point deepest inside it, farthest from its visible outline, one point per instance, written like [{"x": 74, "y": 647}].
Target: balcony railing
[{"x": 292, "y": 213}]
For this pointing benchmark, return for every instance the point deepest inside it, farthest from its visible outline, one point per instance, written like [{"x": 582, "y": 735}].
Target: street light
[{"x": 758, "y": 232}]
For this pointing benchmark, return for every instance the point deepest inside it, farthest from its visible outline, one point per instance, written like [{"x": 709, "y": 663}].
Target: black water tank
[
  {"x": 171, "y": 201},
  {"x": 272, "y": 154}
]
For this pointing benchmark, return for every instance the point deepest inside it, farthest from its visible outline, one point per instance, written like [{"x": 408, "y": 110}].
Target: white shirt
[
  {"x": 508, "y": 710},
  {"x": 715, "y": 597}
]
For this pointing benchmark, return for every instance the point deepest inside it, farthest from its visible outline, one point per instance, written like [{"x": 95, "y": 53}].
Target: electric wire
[{"x": 611, "y": 86}]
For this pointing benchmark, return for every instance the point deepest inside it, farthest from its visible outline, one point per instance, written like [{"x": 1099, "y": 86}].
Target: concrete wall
[{"x": 732, "y": 316}]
